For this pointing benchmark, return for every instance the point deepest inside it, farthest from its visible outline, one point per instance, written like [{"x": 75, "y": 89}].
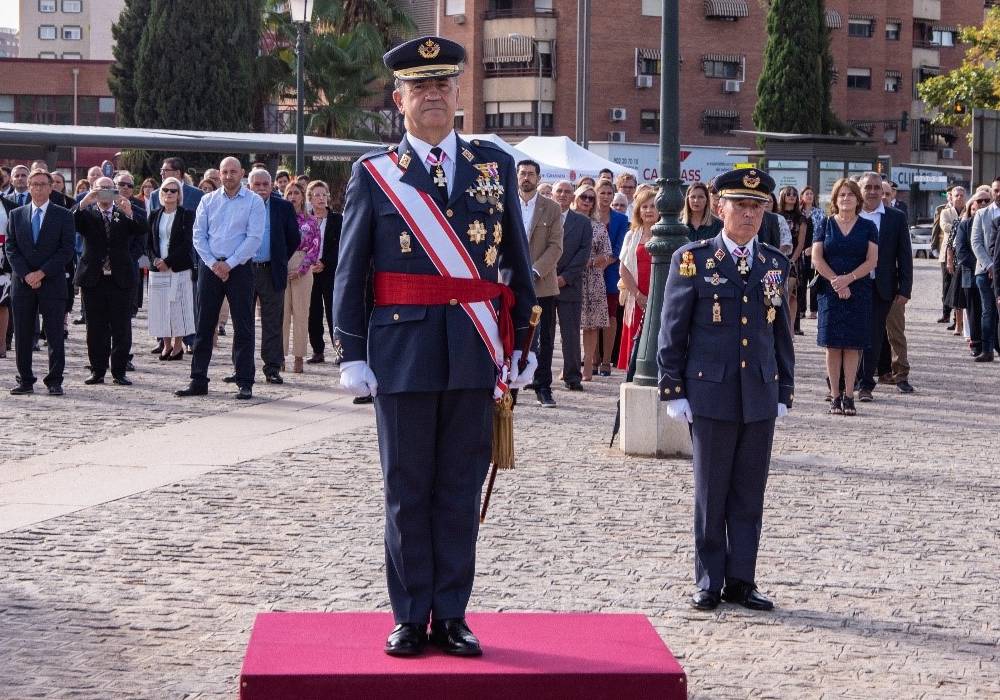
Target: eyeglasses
[
  {"x": 982, "y": 201},
  {"x": 171, "y": 190},
  {"x": 168, "y": 170},
  {"x": 126, "y": 184},
  {"x": 587, "y": 198}
]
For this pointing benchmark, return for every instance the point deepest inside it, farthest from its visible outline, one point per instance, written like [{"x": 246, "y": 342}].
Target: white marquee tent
[{"x": 562, "y": 158}]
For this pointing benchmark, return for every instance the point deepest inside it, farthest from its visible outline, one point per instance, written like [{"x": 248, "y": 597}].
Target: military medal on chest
[
  {"x": 405, "y": 243},
  {"x": 716, "y": 310},
  {"x": 491, "y": 256},
  {"x": 477, "y": 232},
  {"x": 772, "y": 293},
  {"x": 687, "y": 267},
  {"x": 497, "y": 233},
  {"x": 743, "y": 267}
]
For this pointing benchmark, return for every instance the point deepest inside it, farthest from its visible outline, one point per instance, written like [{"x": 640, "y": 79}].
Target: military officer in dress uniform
[
  {"x": 436, "y": 221},
  {"x": 726, "y": 366}
]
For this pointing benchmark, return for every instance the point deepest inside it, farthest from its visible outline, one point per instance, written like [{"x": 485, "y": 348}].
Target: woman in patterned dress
[{"x": 594, "y": 314}]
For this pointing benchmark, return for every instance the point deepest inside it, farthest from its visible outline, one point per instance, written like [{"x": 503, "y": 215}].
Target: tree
[
  {"x": 790, "y": 92},
  {"x": 127, "y": 32},
  {"x": 975, "y": 83}
]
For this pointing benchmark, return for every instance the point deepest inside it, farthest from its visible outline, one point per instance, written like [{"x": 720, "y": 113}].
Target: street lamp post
[
  {"x": 668, "y": 233},
  {"x": 301, "y": 11}
]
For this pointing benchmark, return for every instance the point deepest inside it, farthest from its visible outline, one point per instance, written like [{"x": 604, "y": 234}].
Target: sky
[{"x": 8, "y": 13}]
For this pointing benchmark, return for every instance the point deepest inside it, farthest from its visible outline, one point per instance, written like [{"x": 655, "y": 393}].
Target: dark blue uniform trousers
[
  {"x": 730, "y": 472},
  {"x": 435, "y": 450},
  {"x": 239, "y": 290}
]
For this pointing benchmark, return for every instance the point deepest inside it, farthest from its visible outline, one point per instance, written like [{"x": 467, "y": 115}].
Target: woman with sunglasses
[
  {"x": 962, "y": 265},
  {"x": 594, "y": 312},
  {"x": 168, "y": 245}
]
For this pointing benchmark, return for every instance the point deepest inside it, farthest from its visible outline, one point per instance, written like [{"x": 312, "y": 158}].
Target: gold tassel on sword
[{"x": 503, "y": 418}]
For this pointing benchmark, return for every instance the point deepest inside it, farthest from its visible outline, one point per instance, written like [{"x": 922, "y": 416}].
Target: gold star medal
[
  {"x": 497, "y": 233},
  {"x": 477, "y": 232},
  {"x": 491, "y": 256},
  {"x": 771, "y": 314}
]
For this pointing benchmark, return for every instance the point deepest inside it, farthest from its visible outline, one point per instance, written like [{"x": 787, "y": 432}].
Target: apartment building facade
[
  {"x": 68, "y": 29},
  {"x": 522, "y": 57}
]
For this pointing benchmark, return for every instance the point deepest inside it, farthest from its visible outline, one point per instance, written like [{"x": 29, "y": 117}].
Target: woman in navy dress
[{"x": 843, "y": 254}]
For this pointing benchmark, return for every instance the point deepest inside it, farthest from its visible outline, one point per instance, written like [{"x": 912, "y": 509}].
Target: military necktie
[
  {"x": 741, "y": 255},
  {"x": 436, "y": 160}
]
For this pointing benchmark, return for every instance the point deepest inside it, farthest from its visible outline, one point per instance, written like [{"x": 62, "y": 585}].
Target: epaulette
[
  {"x": 377, "y": 152},
  {"x": 483, "y": 143},
  {"x": 769, "y": 247}
]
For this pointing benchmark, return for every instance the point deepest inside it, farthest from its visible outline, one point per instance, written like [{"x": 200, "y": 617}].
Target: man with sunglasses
[
  {"x": 984, "y": 239},
  {"x": 125, "y": 184}
]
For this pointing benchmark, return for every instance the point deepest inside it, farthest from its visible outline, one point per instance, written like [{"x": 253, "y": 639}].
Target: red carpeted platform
[{"x": 527, "y": 656}]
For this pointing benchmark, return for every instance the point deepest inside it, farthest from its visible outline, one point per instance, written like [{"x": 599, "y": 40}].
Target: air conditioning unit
[
  {"x": 643, "y": 81},
  {"x": 459, "y": 19},
  {"x": 616, "y": 136},
  {"x": 731, "y": 86},
  {"x": 618, "y": 114},
  {"x": 948, "y": 153}
]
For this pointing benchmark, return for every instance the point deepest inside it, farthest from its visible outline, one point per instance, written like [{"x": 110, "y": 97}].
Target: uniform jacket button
[
  {"x": 744, "y": 320},
  {"x": 449, "y": 213},
  {"x": 743, "y": 364},
  {"x": 395, "y": 317},
  {"x": 453, "y": 302},
  {"x": 745, "y": 342},
  {"x": 745, "y": 300}
]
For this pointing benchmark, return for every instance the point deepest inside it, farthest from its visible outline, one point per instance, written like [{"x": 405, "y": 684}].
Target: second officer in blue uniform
[
  {"x": 726, "y": 366},
  {"x": 421, "y": 354}
]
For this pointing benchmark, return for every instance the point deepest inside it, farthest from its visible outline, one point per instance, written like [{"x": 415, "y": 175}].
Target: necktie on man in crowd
[
  {"x": 741, "y": 255},
  {"x": 22, "y": 198},
  {"x": 436, "y": 160},
  {"x": 36, "y": 225}
]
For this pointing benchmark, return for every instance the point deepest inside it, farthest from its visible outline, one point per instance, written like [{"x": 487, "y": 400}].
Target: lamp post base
[{"x": 646, "y": 430}]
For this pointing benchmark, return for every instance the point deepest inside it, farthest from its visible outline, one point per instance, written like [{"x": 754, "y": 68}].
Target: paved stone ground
[{"x": 880, "y": 542}]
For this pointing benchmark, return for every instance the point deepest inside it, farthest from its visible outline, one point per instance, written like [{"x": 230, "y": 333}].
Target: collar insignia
[
  {"x": 404, "y": 162},
  {"x": 720, "y": 254},
  {"x": 468, "y": 154}
]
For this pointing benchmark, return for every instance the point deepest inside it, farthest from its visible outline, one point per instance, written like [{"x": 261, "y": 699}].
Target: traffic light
[
  {"x": 883, "y": 166},
  {"x": 959, "y": 107}
]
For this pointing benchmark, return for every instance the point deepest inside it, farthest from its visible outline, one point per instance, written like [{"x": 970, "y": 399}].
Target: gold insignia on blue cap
[
  {"x": 429, "y": 49},
  {"x": 751, "y": 179},
  {"x": 745, "y": 184}
]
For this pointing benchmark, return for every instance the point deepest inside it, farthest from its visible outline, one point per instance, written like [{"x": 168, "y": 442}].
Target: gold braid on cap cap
[
  {"x": 736, "y": 193},
  {"x": 438, "y": 70}
]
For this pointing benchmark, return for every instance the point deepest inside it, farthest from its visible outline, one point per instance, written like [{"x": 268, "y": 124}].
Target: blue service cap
[
  {"x": 745, "y": 183},
  {"x": 426, "y": 57}
]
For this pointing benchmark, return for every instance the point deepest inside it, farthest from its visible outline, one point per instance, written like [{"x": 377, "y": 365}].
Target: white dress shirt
[
  {"x": 166, "y": 223},
  {"x": 528, "y": 213},
  {"x": 450, "y": 147},
  {"x": 876, "y": 218}
]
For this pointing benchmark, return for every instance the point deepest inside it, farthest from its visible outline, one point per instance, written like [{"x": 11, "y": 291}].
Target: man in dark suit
[
  {"x": 18, "y": 195},
  {"x": 727, "y": 368},
  {"x": 898, "y": 203},
  {"x": 321, "y": 301},
  {"x": 107, "y": 276},
  {"x": 270, "y": 269},
  {"x": 893, "y": 278},
  {"x": 125, "y": 184},
  {"x": 578, "y": 235},
  {"x": 433, "y": 348},
  {"x": 174, "y": 167},
  {"x": 39, "y": 246}
]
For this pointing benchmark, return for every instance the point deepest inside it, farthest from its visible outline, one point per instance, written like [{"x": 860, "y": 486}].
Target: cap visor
[
  {"x": 756, "y": 196},
  {"x": 425, "y": 72}
]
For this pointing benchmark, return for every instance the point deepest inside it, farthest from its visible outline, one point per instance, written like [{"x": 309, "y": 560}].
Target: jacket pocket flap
[
  {"x": 390, "y": 315},
  {"x": 769, "y": 371},
  {"x": 705, "y": 372},
  {"x": 724, "y": 290}
]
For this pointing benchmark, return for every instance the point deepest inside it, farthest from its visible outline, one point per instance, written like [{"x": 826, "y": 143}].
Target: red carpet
[{"x": 552, "y": 656}]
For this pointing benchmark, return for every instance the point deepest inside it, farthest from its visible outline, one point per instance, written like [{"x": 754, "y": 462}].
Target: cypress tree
[
  {"x": 127, "y": 31},
  {"x": 790, "y": 92}
]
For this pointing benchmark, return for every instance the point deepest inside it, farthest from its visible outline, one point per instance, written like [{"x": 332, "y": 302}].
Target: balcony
[
  {"x": 516, "y": 9},
  {"x": 927, "y": 9}
]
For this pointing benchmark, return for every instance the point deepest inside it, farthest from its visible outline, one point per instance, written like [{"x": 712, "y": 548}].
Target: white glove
[
  {"x": 519, "y": 380},
  {"x": 782, "y": 410},
  {"x": 680, "y": 409},
  {"x": 358, "y": 378}
]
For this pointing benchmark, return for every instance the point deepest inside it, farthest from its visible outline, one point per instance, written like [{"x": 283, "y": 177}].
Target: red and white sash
[{"x": 438, "y": 238}]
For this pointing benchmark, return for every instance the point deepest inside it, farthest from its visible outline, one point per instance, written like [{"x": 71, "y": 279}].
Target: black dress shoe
[
  {"x": 122, "y": 381},
  {"x": 574, "y": 386},
  {"x": 174, "y": 358},
  {"x": 950, "y": 327},
  {"x": 904, "y": 386},
  {"x": 454, "y": 637},
  {"x": 705, "y": 600},
  {"x": 22, "y": 389},
  {"x": 55, "y": 390},
  {"x": 231, "y": 379},
  {"x": 192, "y": 390},
  {"x": 544, "y": 397},
  {"x": 359, "y": 400},
  {"x": 94, "y": 379},
  {"x": 944, "y": 319},
  {"x": 406, "y": 639},
  {"x": 158, "y": 350},
  {"x": 273, "y": 378},
  {"x": 316, "y": 359},
  {"x": 79, "y": 321},
  {"x": 983, "y": 357},
  {"x": 865, "y": 395},
  {"x": 129, "y": 367},
  {"x": 244, "y": 393},
  {"x": 747, "y": 595}
]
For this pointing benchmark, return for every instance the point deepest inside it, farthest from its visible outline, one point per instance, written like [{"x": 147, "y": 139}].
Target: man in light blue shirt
[{"x": 228, "y": 229}]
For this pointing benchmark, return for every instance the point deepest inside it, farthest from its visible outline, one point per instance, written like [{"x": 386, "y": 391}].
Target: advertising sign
[{"x": 697, "y": 162}]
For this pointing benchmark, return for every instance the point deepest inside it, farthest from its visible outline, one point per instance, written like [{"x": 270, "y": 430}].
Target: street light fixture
[
  {"x": 301, "y": 12},
  {"x": 537, "y": 45}
]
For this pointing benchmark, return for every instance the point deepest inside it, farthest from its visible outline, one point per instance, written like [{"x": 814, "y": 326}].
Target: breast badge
[
  {"x": 491, "y": 256},
  {"x": 687, "y": 267},
  {"x": 404, "y": 243},
  {"x": 497, "y": 233},
  {"x": 716, "y": 310},
  {"x": 710, "y": 264},
  {"x": 477, "y": 232}
]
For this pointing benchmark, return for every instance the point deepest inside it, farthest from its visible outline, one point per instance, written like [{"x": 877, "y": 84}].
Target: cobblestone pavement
[{"x": 880, "y": 541}]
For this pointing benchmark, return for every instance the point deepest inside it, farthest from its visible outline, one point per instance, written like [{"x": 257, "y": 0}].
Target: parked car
[{"x": 920, "y": 241}]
